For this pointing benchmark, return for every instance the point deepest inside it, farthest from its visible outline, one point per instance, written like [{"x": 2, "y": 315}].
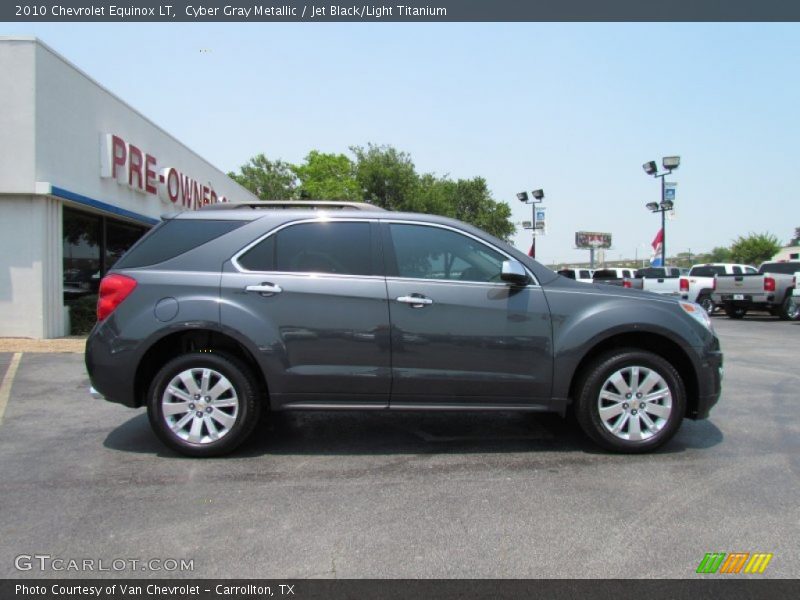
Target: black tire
[
  {"x": 788, "y": 311},
  {"x": 735, "y": 313},
  {"x": 595, "y": 378},
  {"x": 244, "y": 386},
  {"x": 707, "y": 303}
]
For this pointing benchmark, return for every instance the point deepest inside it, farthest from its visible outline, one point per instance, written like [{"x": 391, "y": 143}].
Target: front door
[{"x": 460, "y": 335}]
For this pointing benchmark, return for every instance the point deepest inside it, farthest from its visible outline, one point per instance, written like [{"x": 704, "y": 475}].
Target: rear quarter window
[
  {"x": 172, "y": 238},
  {"x": 784, "y": 268}
]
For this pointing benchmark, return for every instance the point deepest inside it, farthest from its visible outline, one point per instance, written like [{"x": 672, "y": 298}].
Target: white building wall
[
  {"x": 73, "y": 112},
  {"x": 30, "y": 267},
  {"x": 52, "y": 117},
  {"x": 17, "y": 115}
]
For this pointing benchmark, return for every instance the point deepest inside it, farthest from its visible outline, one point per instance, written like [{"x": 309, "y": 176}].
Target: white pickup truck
[
  {"x": 659, "y": 280},
  {"x": 582, "y": 275},
  {"x": 699, "y": 284},
  {"x": 771, "y": 289}
]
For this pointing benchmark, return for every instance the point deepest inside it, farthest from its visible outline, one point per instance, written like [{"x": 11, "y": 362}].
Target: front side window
[
  {"x": 424, "y": 252},
  {"x": 339, "y": 248}
]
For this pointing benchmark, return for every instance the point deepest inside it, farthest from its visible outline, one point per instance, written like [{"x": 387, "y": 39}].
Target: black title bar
[
  {"x": 731, "y": 588},
  {"x": 401, "y": 10}
]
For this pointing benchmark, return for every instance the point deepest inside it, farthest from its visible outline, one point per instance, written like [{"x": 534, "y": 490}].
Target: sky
[{"x": 574, "y": 109}]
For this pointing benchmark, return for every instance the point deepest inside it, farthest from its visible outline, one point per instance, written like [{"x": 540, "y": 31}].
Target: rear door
[
  {"x": 460, "y": 335},
  {"x": 312, "y": 298}
]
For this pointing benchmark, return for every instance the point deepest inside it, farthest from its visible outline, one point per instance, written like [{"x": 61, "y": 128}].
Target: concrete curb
[{"x": 74, "y": 345}]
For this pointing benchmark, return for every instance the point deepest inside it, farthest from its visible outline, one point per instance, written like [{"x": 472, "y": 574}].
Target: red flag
[
  {"x": 658, "y": 240},
  {"x": 532, "y": 251}
]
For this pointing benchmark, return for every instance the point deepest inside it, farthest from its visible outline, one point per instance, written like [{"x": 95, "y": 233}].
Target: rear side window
[
  {"x": 785, "y": 268},
  {"x": 569, "y": 273},
  {"x": 330, "y": 247},
  {"x": 585, "y": 275},
  {"x": 737, "y": 270},
  {"x": 172, "y": 238},
  {"x": 706, "y": 271}
]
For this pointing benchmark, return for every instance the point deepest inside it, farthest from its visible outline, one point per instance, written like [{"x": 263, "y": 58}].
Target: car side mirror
[{"x": 513, "y": 272}]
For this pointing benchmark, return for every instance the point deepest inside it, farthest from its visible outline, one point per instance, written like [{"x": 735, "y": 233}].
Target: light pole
[
  {"x": 538, "y": 196},
  {"x": 670, "y": 163}
]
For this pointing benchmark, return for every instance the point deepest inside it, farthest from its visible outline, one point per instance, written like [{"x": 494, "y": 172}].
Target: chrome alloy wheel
[
  {"x": 200, "y": 405},
  {"x": 634, "y": 403}
]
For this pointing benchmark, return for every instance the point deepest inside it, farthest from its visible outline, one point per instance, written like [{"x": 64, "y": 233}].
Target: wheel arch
[
  {"x": 650, "y": 342},
  {"x": 197, "y": 339}
]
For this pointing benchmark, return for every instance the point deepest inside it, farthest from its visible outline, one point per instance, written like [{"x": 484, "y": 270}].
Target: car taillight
[
  {"x": 769, "y": 284},
  {"x": 626, "y": 283},
  {"x": 684, "y": 285},
  {"x": 113, "y": 290}
]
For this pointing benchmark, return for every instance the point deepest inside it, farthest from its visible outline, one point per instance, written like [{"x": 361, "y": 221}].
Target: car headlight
[{"x": 697, "y": 313}]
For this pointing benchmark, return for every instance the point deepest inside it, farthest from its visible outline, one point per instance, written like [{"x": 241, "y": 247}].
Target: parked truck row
[{"x": 733, "y": 287}]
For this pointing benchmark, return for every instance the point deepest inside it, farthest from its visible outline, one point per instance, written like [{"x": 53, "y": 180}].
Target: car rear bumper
[{"x": 109, "y": 365}]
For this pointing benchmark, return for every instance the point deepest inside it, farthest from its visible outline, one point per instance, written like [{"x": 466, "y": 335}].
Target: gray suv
[{"x": 219, "y": 315}]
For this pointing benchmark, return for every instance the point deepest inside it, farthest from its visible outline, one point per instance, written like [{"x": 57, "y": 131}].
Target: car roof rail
[{"x": 293, "y": 204}]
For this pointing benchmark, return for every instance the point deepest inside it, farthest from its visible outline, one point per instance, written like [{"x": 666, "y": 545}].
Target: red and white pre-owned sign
[{"x": 139, "y": 170}]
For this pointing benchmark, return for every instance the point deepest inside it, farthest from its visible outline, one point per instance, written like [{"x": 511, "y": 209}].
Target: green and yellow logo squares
[{"x": 734, "y": 562}]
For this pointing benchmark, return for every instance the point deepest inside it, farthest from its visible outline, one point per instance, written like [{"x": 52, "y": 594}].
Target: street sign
[
  {"x": 527, "y": 225},
  {"x": 669, "y": 191}
]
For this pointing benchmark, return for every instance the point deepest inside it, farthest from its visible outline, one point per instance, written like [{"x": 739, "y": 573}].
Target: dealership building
[{"x": 82, "y": 177}]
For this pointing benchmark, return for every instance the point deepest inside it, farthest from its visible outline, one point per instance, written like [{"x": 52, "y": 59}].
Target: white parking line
[{"x": 8, "y": 380}]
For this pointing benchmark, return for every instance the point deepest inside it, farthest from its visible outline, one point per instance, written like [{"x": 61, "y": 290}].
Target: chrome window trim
[
  {"x": 533, "y": 283},
  {"x": 271, "y": 232},
  {"x": 235, "y": 259}
]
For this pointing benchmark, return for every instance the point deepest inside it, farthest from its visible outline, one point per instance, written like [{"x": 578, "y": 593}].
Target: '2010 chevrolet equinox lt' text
[{"x": 220, "y": 314}]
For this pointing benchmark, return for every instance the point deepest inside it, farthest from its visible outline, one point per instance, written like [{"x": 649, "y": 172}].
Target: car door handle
[
  {"x": 264, "y": 288},
  {"x": 415, "y": 301}
]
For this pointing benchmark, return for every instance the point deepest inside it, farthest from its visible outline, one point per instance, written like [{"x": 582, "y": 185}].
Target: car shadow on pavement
[{"x": 369, "y": 433}]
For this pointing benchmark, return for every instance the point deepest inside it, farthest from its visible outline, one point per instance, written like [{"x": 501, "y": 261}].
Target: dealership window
[{"x": 92, "y": 244}]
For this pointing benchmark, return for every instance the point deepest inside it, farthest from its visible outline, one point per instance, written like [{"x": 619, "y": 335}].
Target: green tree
[
  {"x": 719, "y": 254},
  {"x": 269, "y": 180},
  {"x": 468, "y": 200},
  {"x": 386, "y": 177},
  {"x": 755, "y": 248},
  {"x": 327, "y": 177},
  {"x": 795, "y": 241}
]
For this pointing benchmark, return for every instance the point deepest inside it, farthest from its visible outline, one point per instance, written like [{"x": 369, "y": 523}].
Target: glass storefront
[{"x": 92, "y": 244}]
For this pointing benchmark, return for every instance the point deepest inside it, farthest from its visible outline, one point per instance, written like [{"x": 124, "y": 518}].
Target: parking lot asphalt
[{"x": 407, "y": 495}]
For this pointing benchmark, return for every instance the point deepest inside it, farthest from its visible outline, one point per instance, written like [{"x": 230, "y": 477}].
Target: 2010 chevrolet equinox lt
[{"x": 218, "y": 315}]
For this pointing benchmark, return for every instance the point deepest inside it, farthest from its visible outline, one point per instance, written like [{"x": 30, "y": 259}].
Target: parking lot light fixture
[
  {"x": 670, "y": 163},
  {"x": 537, "y": 196}
]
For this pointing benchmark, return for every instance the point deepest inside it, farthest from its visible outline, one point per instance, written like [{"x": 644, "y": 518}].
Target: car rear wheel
[
  {"x": 707, "y": 303},
  {"x": 630, "y": 401},
  {"x": 203, "y": 404},
  {"x": 789, "y": 310}
]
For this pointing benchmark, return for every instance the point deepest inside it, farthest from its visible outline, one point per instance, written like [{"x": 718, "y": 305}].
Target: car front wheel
[
  {"x": 630, "y": 401},
  {"x": 203, "y": 404}
]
